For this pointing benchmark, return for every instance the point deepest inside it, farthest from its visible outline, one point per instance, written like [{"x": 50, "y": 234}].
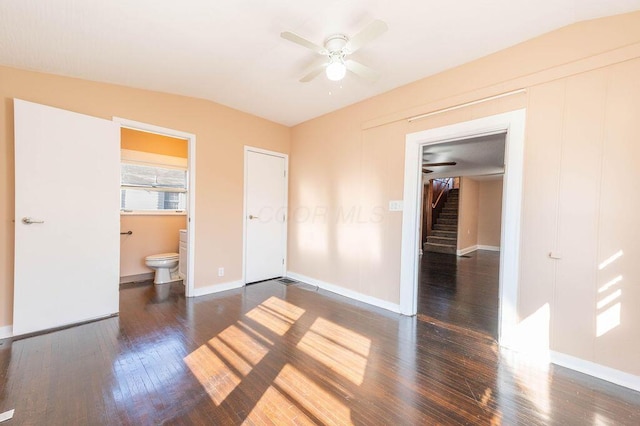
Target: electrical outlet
[{"x": 221, "y": 272}]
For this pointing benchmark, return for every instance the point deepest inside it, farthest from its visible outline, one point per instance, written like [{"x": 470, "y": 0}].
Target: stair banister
[{"x": 445, "y": 188}]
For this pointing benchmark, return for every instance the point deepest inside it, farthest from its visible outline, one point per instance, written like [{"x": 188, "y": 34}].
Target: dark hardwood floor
[
  {"x": 461, "y": 290},
  {"x": 277, "y": 354}
]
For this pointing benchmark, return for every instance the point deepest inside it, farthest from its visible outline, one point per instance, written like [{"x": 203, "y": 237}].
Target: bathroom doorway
[{"x": 156, "y": 199}]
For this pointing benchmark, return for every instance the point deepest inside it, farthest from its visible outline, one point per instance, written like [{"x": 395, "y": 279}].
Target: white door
[
  {"x": 266, "y": 204},
  {"x": 67, "y": 185}
]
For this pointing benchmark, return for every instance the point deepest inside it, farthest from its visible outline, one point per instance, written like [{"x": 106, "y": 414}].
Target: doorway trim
[
  {"x": 248, "y": 149},
  {"x": 191, "y": 173},
  {"x": 513, "y": 123}
]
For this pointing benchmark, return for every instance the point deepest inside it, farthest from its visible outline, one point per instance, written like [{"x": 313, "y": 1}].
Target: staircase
[{"x": 444, "y": 234}]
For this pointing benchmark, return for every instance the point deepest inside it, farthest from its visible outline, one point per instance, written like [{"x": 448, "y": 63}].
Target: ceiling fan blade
[
  {"x": 446, "y": 163},
  {"x": 362, "y": 70},
  {"x": 315, "y": 70},
  {"x": 427, "y": 171},
  {"x": 303, "y": 42},
  {"x": 369, "y": 33}
]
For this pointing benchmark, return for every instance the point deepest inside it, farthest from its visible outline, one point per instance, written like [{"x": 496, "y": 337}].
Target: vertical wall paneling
[
  {"x": 578, "y": 213},
  {"x": 545, "y": 112},
  {"x": 618, "y": 275}
]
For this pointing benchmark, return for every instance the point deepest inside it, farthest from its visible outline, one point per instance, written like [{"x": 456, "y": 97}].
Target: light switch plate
[{"x": 395, "y": 205}]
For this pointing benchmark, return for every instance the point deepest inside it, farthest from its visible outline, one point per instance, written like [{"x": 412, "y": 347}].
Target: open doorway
[
  {"x": 157, "y": 200},
  {"x": 511, "y": 125},
  {"x": 459, "y": 273}
]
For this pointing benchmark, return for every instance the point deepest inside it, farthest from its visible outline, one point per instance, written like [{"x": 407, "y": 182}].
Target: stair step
[
  {"x": 448, "y": 215},
  {"x": 439, "y": 248},
  {"x": 444, "y": 234},
  {"x": 443, "y": 227},
  {"x": 442, "y": 240},
  {"x": 445, "y": 221}
]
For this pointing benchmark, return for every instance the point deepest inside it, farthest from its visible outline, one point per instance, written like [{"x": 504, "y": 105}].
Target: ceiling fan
[
  {"x": 446, "y": 163},
  {"x": 336, "y": 50}
]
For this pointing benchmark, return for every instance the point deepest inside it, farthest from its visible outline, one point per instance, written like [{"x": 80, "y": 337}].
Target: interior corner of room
[{"x": 527, "y": 156}]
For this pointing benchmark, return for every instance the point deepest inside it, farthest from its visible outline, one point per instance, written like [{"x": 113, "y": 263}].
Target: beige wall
[
  {"x": 221, "y": 134},
  {"x": 582, "y": 105},
  {"x": 151, "y": 235},
  {"x": 468, "y": 213},
  {"x": 489, "y": 212},
  {"x": 153, "y": 143}
]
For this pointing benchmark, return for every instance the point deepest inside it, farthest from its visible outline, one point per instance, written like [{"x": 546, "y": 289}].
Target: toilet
[{"x": 165, "y": 265}]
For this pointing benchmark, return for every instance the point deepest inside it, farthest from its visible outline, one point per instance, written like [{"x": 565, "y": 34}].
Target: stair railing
[{"x": 443, "y": 185}]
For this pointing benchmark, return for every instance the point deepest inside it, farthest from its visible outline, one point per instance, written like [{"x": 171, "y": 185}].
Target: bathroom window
[{"x": 152, "y": 188}]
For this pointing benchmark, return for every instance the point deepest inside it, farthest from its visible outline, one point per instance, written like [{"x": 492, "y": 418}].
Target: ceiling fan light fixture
[{"x": 336, "y": 70}]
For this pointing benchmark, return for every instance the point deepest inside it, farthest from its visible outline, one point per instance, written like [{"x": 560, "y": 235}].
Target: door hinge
[{"x": 283, "y": 261}]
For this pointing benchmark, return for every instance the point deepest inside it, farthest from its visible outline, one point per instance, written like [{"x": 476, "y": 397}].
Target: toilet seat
[
  {"x": 163, "y": 256},
  {"x": 165, "y": 265}
]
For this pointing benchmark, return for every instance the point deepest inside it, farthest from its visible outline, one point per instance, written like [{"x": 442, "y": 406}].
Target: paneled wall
[
  {"x": 583, "y": 103},
  {"x": 582, "y": 152}
]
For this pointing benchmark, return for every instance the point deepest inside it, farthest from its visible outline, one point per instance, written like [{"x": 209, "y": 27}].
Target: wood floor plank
[{"x": 290, "y": 354}]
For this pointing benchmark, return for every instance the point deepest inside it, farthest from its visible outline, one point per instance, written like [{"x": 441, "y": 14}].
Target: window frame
[{"x": 148, "y": 159}]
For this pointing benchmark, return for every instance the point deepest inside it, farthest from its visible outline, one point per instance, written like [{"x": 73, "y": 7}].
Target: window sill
[{"x": 153, "y": 213}]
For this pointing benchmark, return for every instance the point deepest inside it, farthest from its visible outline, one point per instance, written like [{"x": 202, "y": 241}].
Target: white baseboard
[
  {"x": 137, "y": 277},
  {"x": 466, "y": 250},
  {"x": 216, "y": 288},
  {"x": 370, "y": 300},
  {"x": 490, "y": 248},
  {"x": 6, "y": 331},
  {"x": 596, "y": 370},
  {"x": 470, "y": 249}
]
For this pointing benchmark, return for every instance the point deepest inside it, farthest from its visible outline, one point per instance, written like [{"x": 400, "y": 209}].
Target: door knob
[
  {"x": 29, "y": 221},
  {"x": 253, "y": 217}
]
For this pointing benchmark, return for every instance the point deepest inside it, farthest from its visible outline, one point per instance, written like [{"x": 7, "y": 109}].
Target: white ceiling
[
  {"x": 481, "y": 156},
  {"x": 231, "y": 52}
]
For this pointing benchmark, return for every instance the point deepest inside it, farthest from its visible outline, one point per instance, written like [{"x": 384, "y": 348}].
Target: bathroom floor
[{"x": 275, "y": 353}]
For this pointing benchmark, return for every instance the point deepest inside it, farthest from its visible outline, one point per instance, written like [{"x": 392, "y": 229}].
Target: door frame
[
  {"x": 191, "y": 192},
  {"x": 248, "y": 149},
  {"x": 513, "y": 123}
]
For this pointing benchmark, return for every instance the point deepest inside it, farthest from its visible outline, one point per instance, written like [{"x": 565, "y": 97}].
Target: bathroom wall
[
  {"x": 489, "y": 212},
  {"x": 153, "y": 143},
  {"x": 152, "y": 234}
]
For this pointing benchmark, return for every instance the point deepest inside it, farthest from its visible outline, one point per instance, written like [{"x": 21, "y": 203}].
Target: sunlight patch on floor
[
  {"x": 293, "y": 398},
  {"x": 532, "y": 380},
  {"x": 340, "y": 349},
  {"x": 276, "y": 314},
  {"x": 216, "y": 378},
  {"x": 221, "y": 364}
]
